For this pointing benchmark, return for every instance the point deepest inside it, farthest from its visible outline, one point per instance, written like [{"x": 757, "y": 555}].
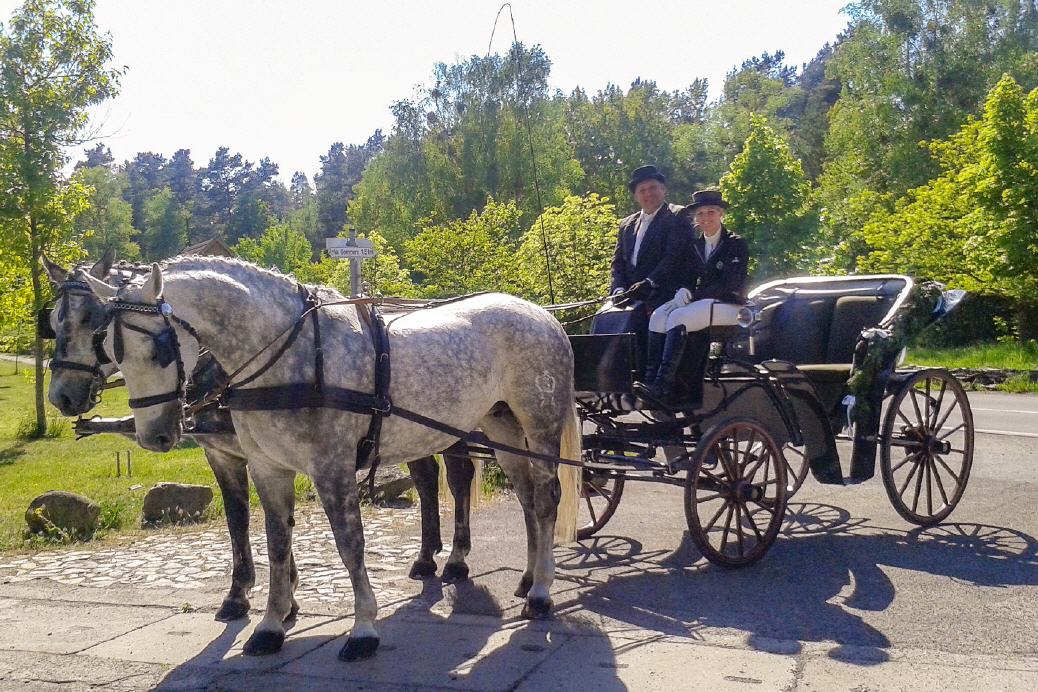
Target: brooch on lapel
[{"x": 720, "y": 265}]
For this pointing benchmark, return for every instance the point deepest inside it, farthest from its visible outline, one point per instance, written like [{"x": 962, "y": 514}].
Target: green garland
[{"x": 915, "y": 315}]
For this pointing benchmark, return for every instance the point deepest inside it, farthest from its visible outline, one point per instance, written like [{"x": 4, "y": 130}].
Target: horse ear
[
  {"x": 56, "y": 273},
  {"x": 152, "y": 289},
  {"x": 104, "y": 265},
  {"x": 100, "y": 288}
]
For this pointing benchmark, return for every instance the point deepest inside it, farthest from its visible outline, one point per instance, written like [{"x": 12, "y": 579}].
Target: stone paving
[{"x": 187, "y": 560}]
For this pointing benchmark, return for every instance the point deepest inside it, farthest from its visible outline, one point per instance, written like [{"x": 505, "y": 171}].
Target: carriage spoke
[
  {"x": 591, "y": 509},
  {"x": 763, "y": 458},
  {"x": 940, "y": 400},
  {"x": 952, "y": 431},
  {"x": 753, "y": 524},
  {"x": 904, "y": 461},
  {"x": 898, "y": 442},
  {"x": 915, "y": 405},
  {"x": 738, "y": 529},
  {"x": 713, "y": 520},
  {"x": 947, "y": 468},
  {"x": 908, "y": 479},
  {"x": 764, "y": 506},
  {"x": 940, "y": 485},
  {"x": 905, "y": 418},
  {"x": 929, "y": 402},
  {"x": 929, "y": 489},
  {"x": 918, "y": 487},
  {"x": 717, "y": 479},
  {"x": 727, "y": 528},
  {"x": 947, "y": 414},
  {"x": 715, "y": 496},
  {"x": 725, "y": 456}
]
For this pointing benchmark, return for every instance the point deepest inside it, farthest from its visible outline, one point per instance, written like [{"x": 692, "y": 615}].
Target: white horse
[
  {"x": 76, "y": 377},
  {"x": 493, "y": 362}
]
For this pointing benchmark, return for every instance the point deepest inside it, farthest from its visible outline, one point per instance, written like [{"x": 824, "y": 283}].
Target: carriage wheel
[
  {"x": 797, "y": 465},
  {"x": 599, "y": 497},
  {"x": 735, "y": 494},
  {"x": 927, "y": 446}
]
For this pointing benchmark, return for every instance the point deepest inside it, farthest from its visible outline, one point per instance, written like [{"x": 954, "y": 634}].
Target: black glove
[{"x": 639, "y": 290}]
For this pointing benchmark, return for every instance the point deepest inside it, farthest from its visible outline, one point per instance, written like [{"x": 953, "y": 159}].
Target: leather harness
[{"x": 376, "y": 404}]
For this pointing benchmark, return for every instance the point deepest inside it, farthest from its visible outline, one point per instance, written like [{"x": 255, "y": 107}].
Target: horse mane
[{"x": 225, "y": 264}]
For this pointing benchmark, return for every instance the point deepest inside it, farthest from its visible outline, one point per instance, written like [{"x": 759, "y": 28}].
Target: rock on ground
[
  {"x": 64, "y": 511},
  {"x": 176, "y": 503}
]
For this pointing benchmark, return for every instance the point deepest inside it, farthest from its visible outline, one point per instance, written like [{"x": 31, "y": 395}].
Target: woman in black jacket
[{"x": 713, "y": 295}]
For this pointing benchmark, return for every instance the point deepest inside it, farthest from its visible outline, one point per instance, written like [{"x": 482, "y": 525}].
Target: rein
[{"x": 316, "y": 395}]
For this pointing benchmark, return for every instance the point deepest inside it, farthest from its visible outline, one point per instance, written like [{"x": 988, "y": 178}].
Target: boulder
[
  {"x": 176, "y": 503},
  {"x": 59, "y": 511},
  {"x": 390, "y": 483}
]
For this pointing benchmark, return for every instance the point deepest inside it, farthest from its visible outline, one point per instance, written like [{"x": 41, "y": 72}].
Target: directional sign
[
  {"x": 351, "y": 252},
  {"x": 349, "y": 248}
]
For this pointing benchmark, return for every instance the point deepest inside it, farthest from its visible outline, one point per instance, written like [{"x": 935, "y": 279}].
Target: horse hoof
[
  {"x": 232, "y": 610},
  {"x": 263, "y": 643},
  {"x": 357, "y": 648},
  {"x": 537, "y": 609},
  {"x": 454, "y": 572},
  {"x": 422, "y": 569},
  {"x": 525, "y": 584}
]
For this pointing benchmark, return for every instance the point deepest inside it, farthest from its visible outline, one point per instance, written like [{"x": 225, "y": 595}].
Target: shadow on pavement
[
  {"x": 823, "y": 568},
  {"x": 447, "y": 636}
]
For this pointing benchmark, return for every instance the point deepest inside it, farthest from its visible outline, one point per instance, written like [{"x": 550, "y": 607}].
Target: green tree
[
  {"x": 975, "y": 225},
  {"x": 165, "y": 226},
  {"x": 769, "y": 194},
  {"x": 580, "y": 235},
  {"x": 469, "y": 255},
  {"x": 341, "y": 170},
  {"x": 107, "y": 221},
  {"x": 279, "y": 247},
  {"x": 53, "y": 67}
]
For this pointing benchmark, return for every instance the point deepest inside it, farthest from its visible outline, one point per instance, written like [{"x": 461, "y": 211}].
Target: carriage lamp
[{"x": 747, "y": 316}]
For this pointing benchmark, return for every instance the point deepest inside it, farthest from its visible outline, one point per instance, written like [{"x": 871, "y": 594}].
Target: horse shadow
[
  {"x": 445, "y": 636},
  {"x": 816, "y": 584}
]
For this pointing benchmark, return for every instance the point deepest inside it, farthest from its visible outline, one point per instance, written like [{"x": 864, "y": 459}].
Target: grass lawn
[
  {"x": 87, "y": 466},
  {"x": 1016, "y": 356}
]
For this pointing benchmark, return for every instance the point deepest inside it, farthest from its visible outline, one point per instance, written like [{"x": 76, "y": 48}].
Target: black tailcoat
[
  {"x": 722, "y": 276},
  {"x": 662, "y": 257}
]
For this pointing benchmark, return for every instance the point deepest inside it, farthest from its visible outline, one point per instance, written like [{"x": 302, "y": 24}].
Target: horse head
[
  {"x": 76, "y": 371},
  {"x": 154, "y": 350}
]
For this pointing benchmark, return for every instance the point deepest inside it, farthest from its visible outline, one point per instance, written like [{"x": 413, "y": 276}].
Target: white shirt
[
  {"x": 711, "y": 243},
  {"x": 644, "y": 221}
]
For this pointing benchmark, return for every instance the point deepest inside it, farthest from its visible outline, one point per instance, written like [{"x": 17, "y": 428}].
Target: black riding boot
[
  {"x": 662, "y": 389},
  {"x": 653, "y": 356}
]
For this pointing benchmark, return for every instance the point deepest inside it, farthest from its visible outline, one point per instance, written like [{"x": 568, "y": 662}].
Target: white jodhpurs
[{"x": 693, "y": 316}]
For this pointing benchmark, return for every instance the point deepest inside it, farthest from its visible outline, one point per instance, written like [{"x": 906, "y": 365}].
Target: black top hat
[
  {"x": 704, "y": 198},
  {"x": 642, "y": 174}
]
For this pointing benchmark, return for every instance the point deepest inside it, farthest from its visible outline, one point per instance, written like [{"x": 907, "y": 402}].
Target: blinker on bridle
[
  {"x": 165, "y": 342},
  {"x": 66, "y": 289}
]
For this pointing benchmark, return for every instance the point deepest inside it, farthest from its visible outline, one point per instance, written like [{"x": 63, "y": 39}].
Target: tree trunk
[
  {"x": 1027, "y": 320},
  {"x": 37, "y": 304}
]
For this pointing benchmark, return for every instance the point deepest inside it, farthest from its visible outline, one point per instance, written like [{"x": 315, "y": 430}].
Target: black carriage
[{"x": 815, "y": 360}]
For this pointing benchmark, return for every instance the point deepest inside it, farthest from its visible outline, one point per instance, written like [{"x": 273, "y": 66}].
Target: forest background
[{"x": 908, "y": 145}]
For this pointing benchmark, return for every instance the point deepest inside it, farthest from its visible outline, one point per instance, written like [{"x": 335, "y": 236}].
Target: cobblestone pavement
[{"x": 189, "y": 560}]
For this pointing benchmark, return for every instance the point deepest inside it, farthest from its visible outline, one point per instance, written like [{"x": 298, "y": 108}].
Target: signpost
[{"x": 355, "y": 250}]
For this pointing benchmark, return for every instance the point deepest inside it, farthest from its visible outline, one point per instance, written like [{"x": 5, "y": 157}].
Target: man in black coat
[
  {"x": 650, "y": 262},
  {"x": 711, "y": 294}
]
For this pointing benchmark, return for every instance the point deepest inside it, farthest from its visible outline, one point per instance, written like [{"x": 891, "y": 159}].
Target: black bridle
[
  {"x": 65, "y": 290},
  {"x": 165, "y": 342}
]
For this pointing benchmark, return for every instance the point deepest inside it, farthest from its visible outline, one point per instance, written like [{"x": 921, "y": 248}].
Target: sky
[{"x": 287, "y": 79}]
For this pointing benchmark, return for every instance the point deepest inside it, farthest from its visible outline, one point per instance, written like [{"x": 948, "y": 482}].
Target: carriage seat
[{"x": 818, "y": 333}]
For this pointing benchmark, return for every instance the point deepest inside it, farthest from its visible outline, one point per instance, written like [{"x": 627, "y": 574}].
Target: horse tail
[
  {"x": 476, "y": 486},
  {"x": 569, "y": 479}
]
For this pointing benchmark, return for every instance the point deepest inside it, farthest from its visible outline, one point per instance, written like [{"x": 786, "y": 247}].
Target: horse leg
[
  {"x": 502, "y": 427},
  {"x": 426, "y": 475},
  {"x": 460, "y": 471},
  {"x": 233, "y": 479},
  {"x": 337, "y": 489},
  {"x": 276, "y": 488},
  {"x": 546, "y": 494}
]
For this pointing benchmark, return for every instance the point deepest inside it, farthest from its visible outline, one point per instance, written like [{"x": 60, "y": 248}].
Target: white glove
[
  {"x": 683, "y": 296},
  {"x": 618, "y": 291}
]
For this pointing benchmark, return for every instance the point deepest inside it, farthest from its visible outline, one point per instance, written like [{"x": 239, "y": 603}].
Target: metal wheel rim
[
  {"x": 735, "y": 506},
  {"x": 927, "y": 449},
  {"x": 797, "y": 464}
]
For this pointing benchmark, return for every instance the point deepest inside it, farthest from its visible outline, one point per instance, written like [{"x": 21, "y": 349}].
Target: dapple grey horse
[
  {"x": 492, "y": 361},
  {"x": 73, "y": 391}
]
